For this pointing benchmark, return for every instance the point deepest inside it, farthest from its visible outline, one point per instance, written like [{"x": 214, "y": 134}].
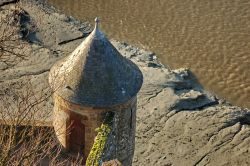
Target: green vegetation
[{"x": 100, "y": 141}]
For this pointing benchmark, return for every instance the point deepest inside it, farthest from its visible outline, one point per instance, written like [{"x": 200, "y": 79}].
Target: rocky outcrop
[
  {"x": 178, "y": 122},
  {"x": 7, "y": 2}
]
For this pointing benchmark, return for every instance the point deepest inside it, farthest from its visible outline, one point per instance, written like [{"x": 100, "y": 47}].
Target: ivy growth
[{"x": 104, "y": 130}]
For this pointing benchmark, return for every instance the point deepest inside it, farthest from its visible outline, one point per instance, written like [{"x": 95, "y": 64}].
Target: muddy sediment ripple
[{"x": 212, "y": 38}]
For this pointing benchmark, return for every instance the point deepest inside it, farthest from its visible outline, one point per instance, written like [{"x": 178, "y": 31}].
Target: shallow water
[{"x": 212, "y": 38}]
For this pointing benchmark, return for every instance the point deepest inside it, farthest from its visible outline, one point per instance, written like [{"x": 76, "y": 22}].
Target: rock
[
  {"x": 150, "y": 64},
  {"x": 192, "y": 100},
  {"x": 6, "y": 2},
  {"x": 112, "y": 163},
  {"x": 178, "y": 122}
]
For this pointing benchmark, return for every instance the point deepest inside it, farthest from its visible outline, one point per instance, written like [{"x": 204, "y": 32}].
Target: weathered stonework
[
  {"x": 75, "y": 125},
  {"x": 121, "y": 141},
  {"x": 112, "y": 163},
  {"x": 80, "y": 138},
  {"x": 90, "y": 83}
]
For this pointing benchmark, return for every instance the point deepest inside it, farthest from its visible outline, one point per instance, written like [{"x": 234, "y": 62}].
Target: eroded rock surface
[{"x": 178, "y": 122}]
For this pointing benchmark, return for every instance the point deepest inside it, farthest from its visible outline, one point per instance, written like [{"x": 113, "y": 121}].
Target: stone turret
[{"x": 93, "y": 80}]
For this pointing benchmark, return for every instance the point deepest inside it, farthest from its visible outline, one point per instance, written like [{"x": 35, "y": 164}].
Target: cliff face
[{"x": 178, "y": 122}]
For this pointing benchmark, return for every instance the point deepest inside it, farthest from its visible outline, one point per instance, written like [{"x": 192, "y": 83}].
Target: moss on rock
[{"x": 96, "y": 152}]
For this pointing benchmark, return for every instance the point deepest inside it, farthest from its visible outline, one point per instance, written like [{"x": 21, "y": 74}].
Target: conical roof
[{"x": 96, "y": 74}]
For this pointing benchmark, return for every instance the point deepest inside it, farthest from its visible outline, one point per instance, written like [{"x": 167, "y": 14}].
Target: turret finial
[{"x": 97, "y": 20}]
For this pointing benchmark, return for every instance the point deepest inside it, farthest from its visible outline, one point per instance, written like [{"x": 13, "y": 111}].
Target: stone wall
[
  {"x": 121, "y": 140},
  {"x": 94, "y": 158},
  {"x": 65, "y": 114}
]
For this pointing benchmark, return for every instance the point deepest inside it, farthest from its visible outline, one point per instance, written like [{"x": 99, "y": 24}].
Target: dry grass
[
  {"x": 11, "y": 47},
  {"x": 24, "y": 140}
]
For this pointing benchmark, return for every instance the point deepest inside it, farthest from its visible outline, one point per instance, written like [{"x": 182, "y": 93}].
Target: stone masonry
[{"x": 88, "y": 84}]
